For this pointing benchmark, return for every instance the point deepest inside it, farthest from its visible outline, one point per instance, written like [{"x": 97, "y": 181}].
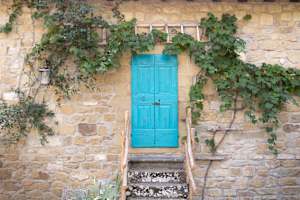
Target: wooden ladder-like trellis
[
  {"x": 172, "y": 29},
  {"x": 192, "y": 29}
]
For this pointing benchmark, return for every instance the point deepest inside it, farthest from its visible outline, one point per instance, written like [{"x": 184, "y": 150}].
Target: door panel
[
  {"x": 154, "y": 101},
  {"x": 142, "y": 101},
  {"x": 166, "y": 126}
]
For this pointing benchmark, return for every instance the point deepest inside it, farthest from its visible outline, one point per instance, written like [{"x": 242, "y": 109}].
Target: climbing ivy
[
  {"x": 72, "y": 34},
  {"x": 264, "y": 89},
  {"x": 18, "y": 119},
  {"x": 16, "y": 11}
]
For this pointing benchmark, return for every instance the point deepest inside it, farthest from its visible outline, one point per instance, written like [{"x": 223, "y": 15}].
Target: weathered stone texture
[
  {"x": 87, "y": 129},
  {"x": 87, "y": 143}
]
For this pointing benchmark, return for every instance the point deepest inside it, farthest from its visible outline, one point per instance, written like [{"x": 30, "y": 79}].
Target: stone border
[{"x": 207, "y": 157}]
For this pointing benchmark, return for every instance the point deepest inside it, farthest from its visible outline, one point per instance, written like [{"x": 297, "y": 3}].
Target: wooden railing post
[
  {"x": 189, "y": 157},
  {"x": 124, "y": 156}
]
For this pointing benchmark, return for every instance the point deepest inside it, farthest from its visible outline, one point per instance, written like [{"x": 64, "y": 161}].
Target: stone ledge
[
  {"x": 203, "y": 157},
  {"x": 155, "y": 158},
  {"x": 288, "y": 157}
]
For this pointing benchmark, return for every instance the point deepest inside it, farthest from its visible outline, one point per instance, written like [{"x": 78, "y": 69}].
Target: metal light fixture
[
  {"x": 282, "y": 61},
  {"x": 44, "y": 75}
]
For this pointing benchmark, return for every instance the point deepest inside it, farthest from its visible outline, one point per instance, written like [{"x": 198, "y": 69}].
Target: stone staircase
[{"x": 156, "y": 177}]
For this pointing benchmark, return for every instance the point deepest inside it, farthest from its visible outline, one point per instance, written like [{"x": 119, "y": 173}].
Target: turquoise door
[{"x": 154, "y": 101}]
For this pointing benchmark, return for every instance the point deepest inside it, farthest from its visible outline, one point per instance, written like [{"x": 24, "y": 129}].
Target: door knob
[{"x": 156, "y": 103}]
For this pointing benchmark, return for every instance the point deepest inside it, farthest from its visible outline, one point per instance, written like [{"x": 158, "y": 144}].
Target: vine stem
[{"x": 235, "y": 110}]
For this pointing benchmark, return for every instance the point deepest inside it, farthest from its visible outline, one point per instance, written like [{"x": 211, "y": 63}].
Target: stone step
[
  {"x": 158, "y": 190},
  {"x": 147, "y": 166},
  {"x": 156, "y": 161},
  {"x": 137, "y": 198},
  {"x": 156, "y": 176},
  {"x": 161, "y": 158}
]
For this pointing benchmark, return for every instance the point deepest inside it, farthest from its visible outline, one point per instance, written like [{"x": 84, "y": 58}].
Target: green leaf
[{"x": 247, "y": 17}]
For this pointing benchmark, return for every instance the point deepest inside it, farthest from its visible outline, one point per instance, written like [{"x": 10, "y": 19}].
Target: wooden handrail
[
  {"x": 189, "y": 157},
  {"x": 124, "y": 156}
]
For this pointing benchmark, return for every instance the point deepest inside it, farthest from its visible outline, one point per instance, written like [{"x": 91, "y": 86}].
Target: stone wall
[{"x": 88, "y": 132}]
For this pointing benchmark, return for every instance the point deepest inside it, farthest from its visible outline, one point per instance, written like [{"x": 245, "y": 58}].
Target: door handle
[{"x": 156, "y": 103}]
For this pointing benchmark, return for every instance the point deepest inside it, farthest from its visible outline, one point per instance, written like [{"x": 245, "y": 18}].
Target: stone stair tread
[
  {"x": 142, "y": 198},
  {"x": 158, "y": 190},
  {"x": 149, "y": 184},
  {"x": 160, "y": 170},
  {"x": 156, "y": 166},
  {"x": 155, "y": 176},
  {"x": 155, "y": 158}
]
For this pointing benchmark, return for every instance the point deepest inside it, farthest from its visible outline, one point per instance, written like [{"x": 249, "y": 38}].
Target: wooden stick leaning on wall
[
  {"x": 124, "y": 156},
  {"x": 189, "y": 158}
]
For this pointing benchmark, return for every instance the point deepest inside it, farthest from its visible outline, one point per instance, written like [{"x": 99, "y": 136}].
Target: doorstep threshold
[{"x": 155, "y": 158}]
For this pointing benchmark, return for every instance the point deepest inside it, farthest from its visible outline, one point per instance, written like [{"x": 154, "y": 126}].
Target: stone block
[
  {"x": 81, "y": 176},
  {"x": 288, "y": 181},
  {"x": 112, "y": 157},
  {"x": 266, "y": 19},
  {"x": 140, "y": 16},
  {"x": 5, "y": 174},
  {"x": 79, "y": 140},
  {"x": 283, "y": 117},
  {"x": 78, "y": 158},
  {"x": 55, "y": 166},
  {"x": 286, "y": 156},
  {"x": 286, "y": 16},
  {"x": 291, "y": 127},
  {"x": 293, "y": 56},
  {"x": 296, "y": 16},
  {"x": 268, "y": 45},
  {"x": 287, "y": 172},
  {"x": 60, "y": 176},
  {"x": 91, "y": 165},
  {"x": 67, "y": 109},
  {"x": 235, "y": 172},
  {"x": 274, "y": 8},
  {"x": 10, "y": 186},
  {"x": 87, "y": 129},
  {"x": 214, "y": 192},
  {"x": 100, "y": 157},
  {"x": 291, "y": 190},
  {"x": 109, "y": 117},
  {"x": 39, "y": 186},
  {"x": 10, "y": 96},
  {"x": 229, "y": 192},
  {"x": 55, "y": 141},
  {"x": 295, "y": 118},
  {"x": 40, "y": 175},
  {"x": 90, "y": 103},
  {"x": 248, "y": 171},
  {"x": 289, "y": 163},
  {"x": 257, "y": 182}
]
